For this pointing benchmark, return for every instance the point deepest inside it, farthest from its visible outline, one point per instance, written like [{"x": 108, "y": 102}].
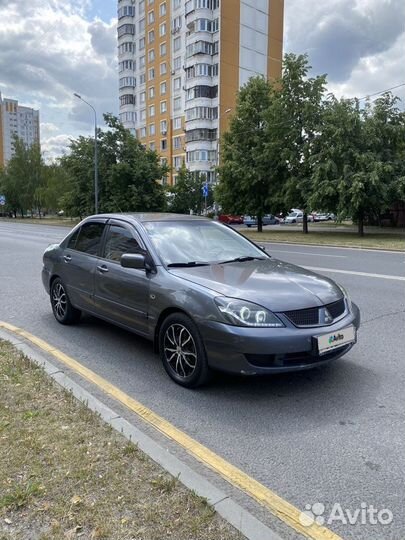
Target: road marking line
[
  {"x": 354, "y": 273},
  {"x": 357, "y": 248},
  {"x": 308, "y": 253},
  {"x": 279, "y": 507}
]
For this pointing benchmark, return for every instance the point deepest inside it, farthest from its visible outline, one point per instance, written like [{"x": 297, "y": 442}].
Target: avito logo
[{"x": 335, "y": 337}]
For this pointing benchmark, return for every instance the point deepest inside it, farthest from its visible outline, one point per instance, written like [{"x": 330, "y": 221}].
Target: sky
[{"x": 50, "y": 49}]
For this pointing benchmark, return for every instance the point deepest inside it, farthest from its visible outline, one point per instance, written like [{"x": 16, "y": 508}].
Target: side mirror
[{"x": 133, "y": 260}]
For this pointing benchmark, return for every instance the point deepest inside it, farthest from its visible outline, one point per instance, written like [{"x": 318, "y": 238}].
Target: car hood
[{"x": 274, "y": 284}]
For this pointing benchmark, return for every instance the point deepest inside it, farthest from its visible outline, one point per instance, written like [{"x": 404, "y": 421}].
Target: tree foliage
[
  {"x": 128, "y": 173},
  {"x": 250, "y": 159},
  {"x": 187, "y": 194},
  {"x": 358, "y": 160}
]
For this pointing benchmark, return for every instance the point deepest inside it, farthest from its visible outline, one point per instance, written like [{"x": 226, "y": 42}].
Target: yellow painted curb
[{"x": 280, "y": 508}]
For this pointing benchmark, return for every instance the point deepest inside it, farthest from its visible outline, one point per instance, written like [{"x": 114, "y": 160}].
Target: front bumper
[
  {"x": 46, "y": 277},
  {"x": 254, "y": 351}
]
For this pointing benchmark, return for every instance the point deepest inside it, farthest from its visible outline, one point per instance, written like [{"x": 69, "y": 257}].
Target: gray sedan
[{"x": 205, "y": 295}]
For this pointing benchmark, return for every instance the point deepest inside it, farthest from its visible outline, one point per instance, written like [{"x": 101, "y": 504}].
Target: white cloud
[
  {"x": 358, "y": 43},
  {"x": 53, "y": 51}
]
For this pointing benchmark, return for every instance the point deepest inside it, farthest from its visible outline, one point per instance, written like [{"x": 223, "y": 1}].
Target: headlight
[
  {"x": 242, "y": 313},
  {"x": 347, "y": 296}
]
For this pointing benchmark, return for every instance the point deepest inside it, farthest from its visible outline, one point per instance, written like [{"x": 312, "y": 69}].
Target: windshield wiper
[
  {"x": 243, "y": 259},
  {"x": 187, "y": 264}
]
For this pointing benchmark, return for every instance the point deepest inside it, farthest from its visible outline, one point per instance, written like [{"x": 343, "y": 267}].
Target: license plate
[{"x": 334, "y": 340}]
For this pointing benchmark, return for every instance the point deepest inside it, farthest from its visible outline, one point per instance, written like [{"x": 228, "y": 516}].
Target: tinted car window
[
  {"x": 119, "y": 241},
  {"x": 89, "y": 238}
]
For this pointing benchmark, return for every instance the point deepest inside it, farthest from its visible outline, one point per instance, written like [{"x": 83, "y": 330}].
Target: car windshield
[
  {"x": 197, "y": 242},
  {"x": 293, "y": 214}
]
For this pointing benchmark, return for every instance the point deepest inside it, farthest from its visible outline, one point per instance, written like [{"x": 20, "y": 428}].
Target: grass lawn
[
  {"x": 380, "y": 240},
  {"x": 65, "y": 474},
  {"x": 61, "y": 222}
]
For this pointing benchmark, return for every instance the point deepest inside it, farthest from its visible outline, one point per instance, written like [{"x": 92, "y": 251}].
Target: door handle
[
  {"x": 67, "y": 258},
  {"x": 103, "y": 269}
]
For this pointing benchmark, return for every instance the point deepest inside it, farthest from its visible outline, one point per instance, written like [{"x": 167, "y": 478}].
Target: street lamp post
[
  {"x": 95, "y": 153},
  {"x": 227, "y": 111}
]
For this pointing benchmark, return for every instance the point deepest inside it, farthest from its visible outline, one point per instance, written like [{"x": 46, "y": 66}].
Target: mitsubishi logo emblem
[{"x": 328, "y": 316}]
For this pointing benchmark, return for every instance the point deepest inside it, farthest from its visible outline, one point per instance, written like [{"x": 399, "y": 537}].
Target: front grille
[
  {"x": 304, "y": 317},
  {"x": 315, "y": 316},
  {"x": 337, "y": 308},
  {"x": 299, "y": 359}
]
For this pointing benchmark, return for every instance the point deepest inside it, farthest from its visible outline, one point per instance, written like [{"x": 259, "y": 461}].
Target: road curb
[
  {"x": 227, "y": 508},
  {"x": 357, "y": 248}
]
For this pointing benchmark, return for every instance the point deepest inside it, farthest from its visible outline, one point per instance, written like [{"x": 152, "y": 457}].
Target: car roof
[{"x": 143, "y": 217}]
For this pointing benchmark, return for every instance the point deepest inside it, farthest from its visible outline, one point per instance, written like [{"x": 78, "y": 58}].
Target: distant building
[
  {"x": 181, "y": 64},
  {"x": 17, "y": 120}
]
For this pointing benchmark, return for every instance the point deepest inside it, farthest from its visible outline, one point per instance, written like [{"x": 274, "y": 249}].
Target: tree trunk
[
  {"x": 305, "y": 223},
  {"x": 361, "y": 226},
  {"x": 259, "y": 224}
]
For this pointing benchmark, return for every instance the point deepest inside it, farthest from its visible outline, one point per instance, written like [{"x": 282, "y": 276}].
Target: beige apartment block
[{"x": 181, "y": 63}]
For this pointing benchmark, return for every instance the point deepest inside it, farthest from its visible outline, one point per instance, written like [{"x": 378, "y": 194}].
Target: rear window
[{"x": 89, "y": 238}]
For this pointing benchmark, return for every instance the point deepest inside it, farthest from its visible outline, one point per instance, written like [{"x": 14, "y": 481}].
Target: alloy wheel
[
  {"x": 59, "y": 300},
  {"x": 180, "y": 350}
]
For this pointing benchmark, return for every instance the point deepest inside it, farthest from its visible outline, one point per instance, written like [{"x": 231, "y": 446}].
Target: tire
[
  {"x": 182, "y": 351},
  {"x": 62, "y": 309},
  {"x": 248, "y": 226}
]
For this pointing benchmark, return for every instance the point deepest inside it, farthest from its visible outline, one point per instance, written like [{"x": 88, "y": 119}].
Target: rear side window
[
  {"x": 89, "y": 238},
  {"x": 120, "y": 240}
]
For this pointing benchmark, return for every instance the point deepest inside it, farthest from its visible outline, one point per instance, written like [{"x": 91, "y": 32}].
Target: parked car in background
[
  {"x": 230, "y": 219},
  {"x": 268, "y": 219},
  {"x": 294, "y": 217},
  {"x": 324, "y": 217}
]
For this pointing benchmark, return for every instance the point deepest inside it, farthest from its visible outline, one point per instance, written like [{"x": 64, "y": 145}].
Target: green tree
[
  {"x": 187, "y": 193},
  {"x": 23, "y": 178},
  {"x": 128, "y": 173},
  {"x": 301, "y": 110},
  {"x": 250, "y": 169},
  {"x": 357, "y": 164}
]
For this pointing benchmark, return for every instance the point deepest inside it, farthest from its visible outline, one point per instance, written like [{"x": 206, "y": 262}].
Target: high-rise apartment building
[
  {"x": 16, "y": 120},
  {"x": 181, "y": 63}
]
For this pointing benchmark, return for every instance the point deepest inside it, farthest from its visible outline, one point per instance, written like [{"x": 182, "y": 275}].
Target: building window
[
  {"x": 151, "y": 110},
  {"x": 177, "y": 83},
  {"x": 142, "y": 78},
  {"x": 142, "y": 97},
  {"x": 163, "y": 106},
  {"x": 177, "y": 63},
  {"x": 152, "y": 92},
  {"x": 141, "y": 7},
  {"x": 142, "y": 61},
  {"x": 177, "y": 142},
  {"x": 163, "y": 88},
  {"x": 126, "y": 29},
  {"x": 177, "y": 103},
  {"x": 177, "y": 44},
  {"x": 163, "y": 144},
  {"x": 143, "y": 115},
  {"x": 142, "y": 132},
  {"x": 151, "y": 36},
  {"x": 163, "y": 127},
  {"x": 151, "y": 74},
  {"x": 177, "y": 122},
  {"x": 152, "y": 130},
  {"x": 151, "y": 55},
  {"x": 177, "y": 162},
  {"x": 162, "y": 30},
  {"x": 163, "y": 68},
  {"x": 162, "y": 9},
  {"x": 151, "y": 17},
  {"x": 163, "y": 49},
  {"x": 141, "y": 25},
  {"x": 152, "y": 146}
]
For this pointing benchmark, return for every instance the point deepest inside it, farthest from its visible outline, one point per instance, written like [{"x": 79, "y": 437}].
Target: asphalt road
[{"x": 332, "y": 435}]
